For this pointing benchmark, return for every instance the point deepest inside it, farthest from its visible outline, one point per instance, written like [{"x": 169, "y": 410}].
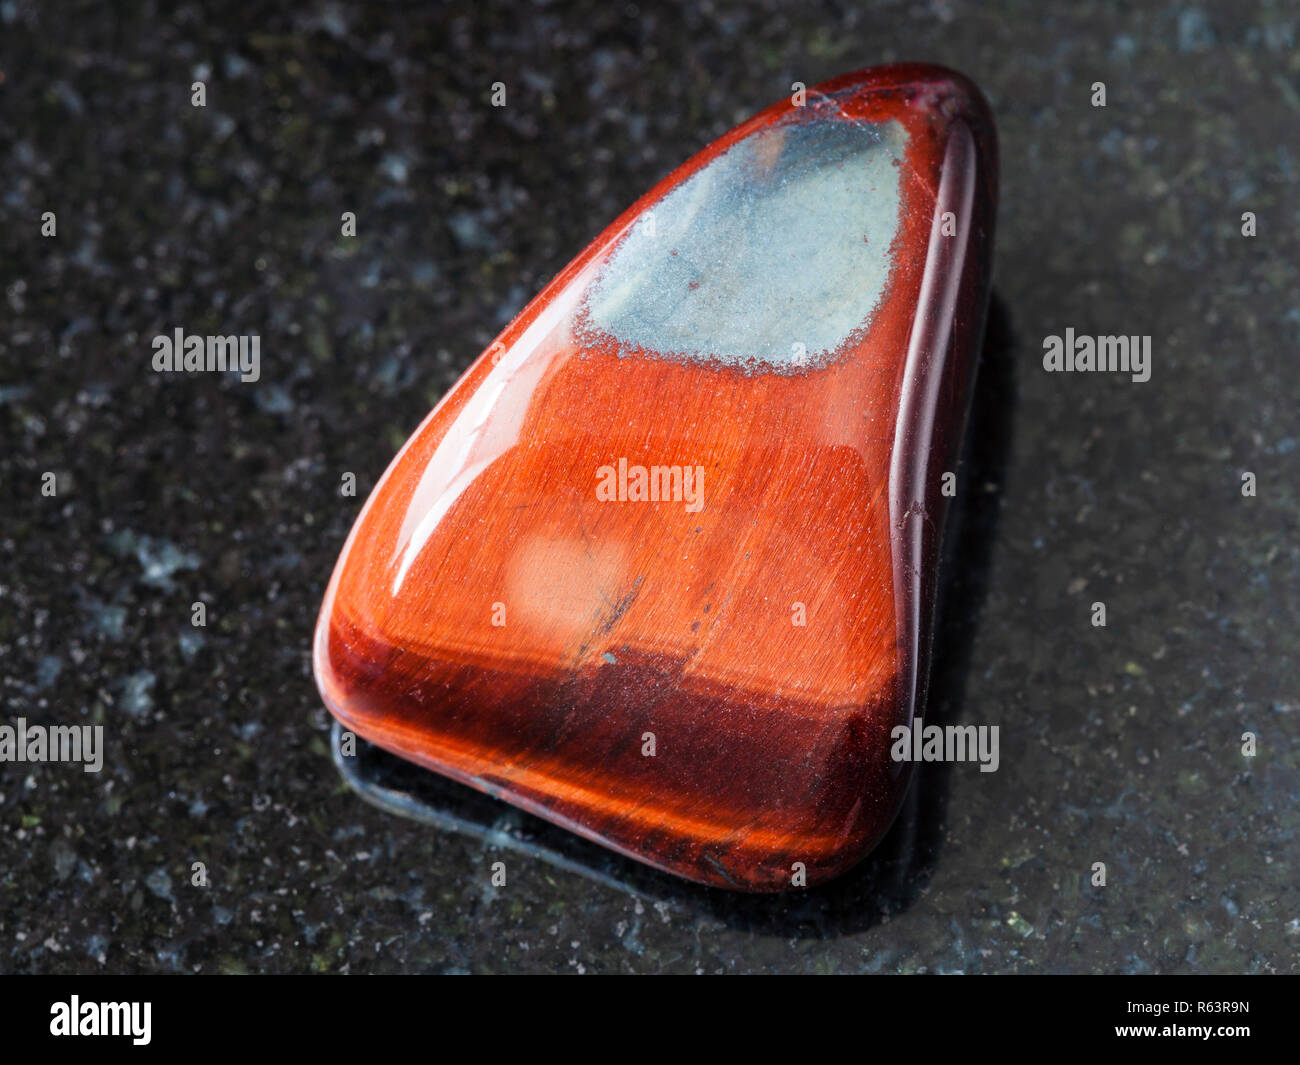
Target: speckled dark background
[{"x": 1119, "y": 745}]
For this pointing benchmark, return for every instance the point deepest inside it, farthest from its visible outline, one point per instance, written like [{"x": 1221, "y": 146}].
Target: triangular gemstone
[{"x": 661, "y": 567}]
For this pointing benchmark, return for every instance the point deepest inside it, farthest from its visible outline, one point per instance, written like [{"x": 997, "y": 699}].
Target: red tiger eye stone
[{"x": 661, "y": 567}]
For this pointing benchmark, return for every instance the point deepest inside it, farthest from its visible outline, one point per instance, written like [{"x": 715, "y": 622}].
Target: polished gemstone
[{"x": 661, "y": 567}]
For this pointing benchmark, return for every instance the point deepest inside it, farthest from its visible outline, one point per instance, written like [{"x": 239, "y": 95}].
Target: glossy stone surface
[{"x": 777, "y": 343}]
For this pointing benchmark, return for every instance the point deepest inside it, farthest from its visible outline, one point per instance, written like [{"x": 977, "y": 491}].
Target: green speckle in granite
[{"x": 1119, "y": 745}]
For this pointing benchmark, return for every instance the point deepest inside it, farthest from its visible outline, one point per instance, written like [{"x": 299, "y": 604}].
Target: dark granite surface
[{"x": 1119, "y": 745}]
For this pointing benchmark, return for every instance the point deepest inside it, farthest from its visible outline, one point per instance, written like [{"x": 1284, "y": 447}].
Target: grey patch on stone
[
  {"x": 1123, "y": 48},
  {"x": 48, "y": 670},
  {"x": 159, "y": 883},
  {"x": 137, "y": 693},
  {"x": 424, "y": 273},
  {"x": 395, "y": 168},
  {"x": 514, "y": 302},
  {"x": 107, "y": 620},
  {"x": 1195, "y": 34},
  {"x": 469, "y": 233},
  {"x": 774, "y": 253},
  {"x": 68, "y": 97},
  {"x": 274, "y": 399},
  {"x": 161, "y": 559},
  {"x": 235, "y": 65},
  {"x": 65, "y": 860},
  {"x": 97, "y": 947},
  {"x": 191, "y": 642}
]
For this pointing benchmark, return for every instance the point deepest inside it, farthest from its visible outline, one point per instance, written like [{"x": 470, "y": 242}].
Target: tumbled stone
[{"x": 661, "y": 567}]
